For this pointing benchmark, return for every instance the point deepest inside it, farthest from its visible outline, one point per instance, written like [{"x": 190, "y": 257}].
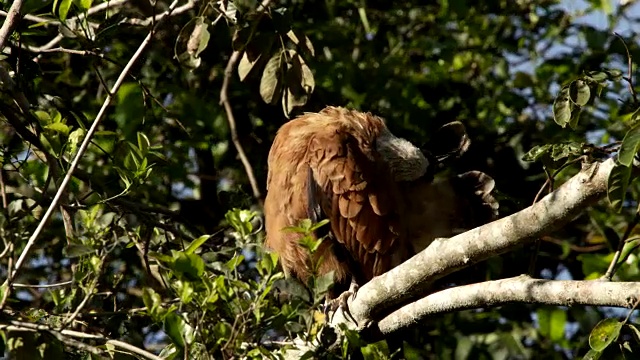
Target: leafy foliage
[{"x": 155, "y": 241}]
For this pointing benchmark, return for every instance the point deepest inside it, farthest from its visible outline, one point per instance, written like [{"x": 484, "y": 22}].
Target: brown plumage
[{"x": 346, "y": 166}]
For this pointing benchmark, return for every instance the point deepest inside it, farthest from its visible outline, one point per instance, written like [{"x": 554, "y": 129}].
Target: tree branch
[
  {"x": 520, "y": 289},
  {"x": 444, "y": 256},
  {"x": 10, "y": 22},
  {"x": 224, "y": 100}
]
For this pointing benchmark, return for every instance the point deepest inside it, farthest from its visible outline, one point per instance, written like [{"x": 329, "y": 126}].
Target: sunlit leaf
[
  {"x": 271, "y": 82},
  {"x": 630, "y": 146},
  {"x": 305, "y": 44},
  {"x": 604, "y": 333},
  {"x": 562, "y": 108},
  {"x": 580, "y": 92},
  {"x": 199, "y": 38},
  {"x": 536, "y": 152},
  {"x": 61, "y": 8},
  {"x": 83, "y": 5},
  {"x": 58, "y": 127},
  {"x": 178, "y": 330},
  {"x": 195, "y": 244}
]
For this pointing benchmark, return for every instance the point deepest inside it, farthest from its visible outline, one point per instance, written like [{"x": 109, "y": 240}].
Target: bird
[{"x": 376, "y": 190}]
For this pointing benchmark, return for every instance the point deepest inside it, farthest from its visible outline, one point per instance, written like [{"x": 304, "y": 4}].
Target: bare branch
[
  {"x": 10, "y": 22},
  {"x": 224, "y": 100},
  {"x": 25, "y": 326},
  {"x": 520, "y": 289},
  {"x": 445, "y": 256},
  {"x": 43, "y": 286}
]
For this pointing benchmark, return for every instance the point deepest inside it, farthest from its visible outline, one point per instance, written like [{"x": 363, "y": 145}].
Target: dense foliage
[{"x": 156, "y": 239}]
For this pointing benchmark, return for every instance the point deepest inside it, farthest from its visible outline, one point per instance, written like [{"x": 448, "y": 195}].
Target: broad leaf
[
  {"x": 630, "y": 146},
  {"x": 271, "y": 82},
  {"x": 617, "y": 185},
  {"x": 61, "y": 8},
  {"x": 604, "y": 333},
  {"x": 536, "y": 152},
  {"x": 562, "y": 108},
  {"x": 580, "y": 92}
]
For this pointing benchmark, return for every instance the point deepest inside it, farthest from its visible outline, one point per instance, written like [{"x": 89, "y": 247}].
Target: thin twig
[
  {"x": 2, "y": 189},
  {"x": 574, "y": 247},
  {"x": 224, "y": 100},
  {"x": 550, "y": 182},
  {"x": 10, "y": 22},
  {"x": 614, "y": 262},
  {"x": 133, "y": 349},
  {"x": 82, "y": 304},
  {"x": 630, "y": 70},
  {"x": 72, "y": 51},
  {"x": 43, "y": 286},
  {"x": 85, "y": 144}
]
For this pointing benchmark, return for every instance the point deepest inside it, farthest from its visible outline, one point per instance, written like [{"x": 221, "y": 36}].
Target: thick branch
[
  {"x": 445, "y": 256},
  {"x": 521, "y": 289}
]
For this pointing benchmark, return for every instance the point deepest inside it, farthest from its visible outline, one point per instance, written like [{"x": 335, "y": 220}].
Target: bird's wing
[
  {"x": 447, "y": 206},
  {"x": 354, "y": 189}
]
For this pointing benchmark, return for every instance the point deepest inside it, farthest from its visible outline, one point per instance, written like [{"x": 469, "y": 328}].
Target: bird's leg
[{"x": 341, "y": 301}]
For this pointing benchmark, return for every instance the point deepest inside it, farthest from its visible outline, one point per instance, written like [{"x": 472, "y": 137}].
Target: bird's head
[{"x": 406, "y": 161}]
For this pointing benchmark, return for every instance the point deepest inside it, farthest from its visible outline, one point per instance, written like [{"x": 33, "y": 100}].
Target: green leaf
[
  {"x": 552, "y": 323},
  {"x": 143, "y": 143},
  {"x": 234, "y": 262},
  {"x": 190, "y": 265},
  {"x": 152, "y": 301},
  {"x": 561, "y": 151},
  {"x": 271, "y": 81},
  {"x": 592, "y": 355},
  {"x": 77, "y": 250},
  {"x": 536, "y": 152},
  {"x": 604, "y": 75},
  {"x": 604, "y": 333},
  {"x": 617, "y": 186},
  {"x": 562, "y": 108},
  {"x": 580, "y": 92},
  {"x": 594, "y": 265},
  {"x": 61, "y": 8},
  {"x": 630, "y": 146},
  {"x": 178, "y": 330},
  {"x": 83, "y": 5},
  {"x": 558, "y": 322},
  {"x": 324, "y": 282},
  {"x": 195, "y": 244},
  {"x": 59, "y": 127},
  {"x": 75, "y": 139}
]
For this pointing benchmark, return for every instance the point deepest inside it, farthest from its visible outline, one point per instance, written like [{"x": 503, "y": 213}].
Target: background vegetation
[{"x": 156, "y": 242}]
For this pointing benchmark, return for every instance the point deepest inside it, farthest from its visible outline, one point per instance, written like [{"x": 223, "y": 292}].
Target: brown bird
[{"x": 374, "y": 188}]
